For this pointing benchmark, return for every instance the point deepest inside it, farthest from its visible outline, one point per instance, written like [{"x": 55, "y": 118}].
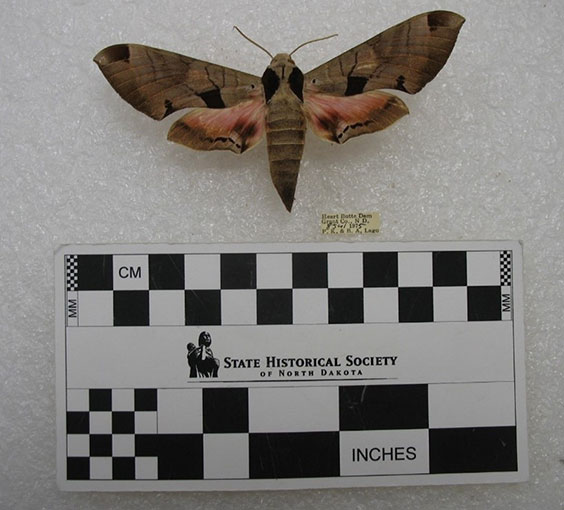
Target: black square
[
  {"x": 100, "y": 400},
  {"x": 78, "y": 468},
  {"x": 225, "y": 410},
  {"x": 294, "y": 455},
  {"x": 383, "y": 407},
  {"x": 166, "y": 271},
  {"x": 180, "y": 457},
  {"x": 473, "y": 450},
  {"x": 309, "y": 270},
  {"x": 123, "y": 468},
  {"x": 449, "y": 268},
  {"x": 131, "y": 308},
  {"x": 203, "y": 307},
  {"x": 346, "y": 306},
  {"x": 146, "y": 445},
  {"x": 95, "y": 272},
  {"x": 101, "y": 445},
  {"x": 123, "y": 422},
  {"x": 78, "y": 422},
  {"x": 484, "y": 303},
  {"x": 238, "y": 270},
  {"x": 145, "y": 399},
  {"x": 274, "y": 306},
  {"x": 416, "y": 304},
  {"x": 380, "y": 269}
]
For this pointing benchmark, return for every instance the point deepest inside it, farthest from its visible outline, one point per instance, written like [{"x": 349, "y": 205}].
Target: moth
[{"x": 233, "y": 110}]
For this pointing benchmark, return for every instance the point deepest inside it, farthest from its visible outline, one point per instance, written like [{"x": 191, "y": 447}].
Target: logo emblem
[{"x": 201, "y": 359}]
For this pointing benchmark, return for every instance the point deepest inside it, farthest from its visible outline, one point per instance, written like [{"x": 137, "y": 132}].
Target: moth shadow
[
  {"x": 238, "y": 175},
  {"x": 355, "y": 152}
]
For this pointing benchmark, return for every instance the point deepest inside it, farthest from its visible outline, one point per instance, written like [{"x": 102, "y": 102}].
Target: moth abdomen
[
  {"x": 285, "y": 137},
  {"x": 282, "y": 124}
]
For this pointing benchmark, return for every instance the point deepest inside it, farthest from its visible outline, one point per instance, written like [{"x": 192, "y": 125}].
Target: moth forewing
[
  {"x": 405, "y": 57},
  {"x": 159, "y": 82}
]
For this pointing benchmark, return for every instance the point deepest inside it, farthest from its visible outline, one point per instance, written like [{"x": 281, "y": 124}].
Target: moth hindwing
[{"x": 232, "y": 110}]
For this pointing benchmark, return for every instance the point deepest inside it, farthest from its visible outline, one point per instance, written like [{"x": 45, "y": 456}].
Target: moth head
[
  {"x": 281, "y": 59},
  {"x": 282, "y": 65}
]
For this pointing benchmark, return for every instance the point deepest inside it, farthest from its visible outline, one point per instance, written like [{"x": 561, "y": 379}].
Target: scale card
[{"x": 286, "y": 366}]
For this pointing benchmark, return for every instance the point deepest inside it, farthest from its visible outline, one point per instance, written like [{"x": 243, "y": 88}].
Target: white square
[
  {"x": 123, "y": 399},
  {"x": 146, "y": 468},
  {"x": 95, "y": 308},
  {"x": 310, "y": 306},
  {"x": 145, "y": 422},
  {"x": 131, "y": 272},
  {"x": 179, "y": 411},
  {"x": 450, "y": 304},
  {"x": 294, "y": 409},
  {"x": 344, "y": 270},
  {"x": 381, "y": 304},
  {"x": 123, "y": 445},
  {"x": 78, "y": 445},
  {"x": 483, "y": 268},
  {"x": 101, "y": 468},
  {"x": 415, "y": 269},
  {"x": 487, "y": 404},
  {"x": 166, "y": 308},
  {"x": 238, "y": 307},
  {"x": 101, "y": 422},
  {"x": 202, "y": 272},
  {"x": 274, "y": 271},
  {"x": 77, "y": 400},
  {"x": 226, "y": 456}
]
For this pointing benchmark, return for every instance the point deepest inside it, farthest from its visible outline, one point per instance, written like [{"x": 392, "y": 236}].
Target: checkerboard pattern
[
  {"x": 72, "y": 273},
  {"x": 287, "y": 432},
  {"x": 103, "y": 428},
  {"x": 289, "y": 288},
  {"x": 505, "y": 265}
]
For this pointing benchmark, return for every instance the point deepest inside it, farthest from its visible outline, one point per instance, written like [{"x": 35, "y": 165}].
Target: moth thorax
[{"x": 282, "y": 70}]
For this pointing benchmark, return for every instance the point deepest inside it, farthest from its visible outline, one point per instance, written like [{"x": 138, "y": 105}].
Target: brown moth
[{"x": 339, "y": 100}]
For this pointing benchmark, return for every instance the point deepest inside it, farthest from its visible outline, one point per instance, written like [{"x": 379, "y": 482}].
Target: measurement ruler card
[{"x": 287, "y": 366}]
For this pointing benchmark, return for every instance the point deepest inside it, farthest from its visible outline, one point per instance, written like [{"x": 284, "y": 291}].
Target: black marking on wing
[
  {"x": 330, "y": 125},
  {"x": 212, "y": 98},
  {"x": 227, "y": 139},
  {"x": 296, "y": 81},
  {"x": 400, "y": 83},
  {"x": 116, "y": 53},
  {"x": 168, "y": 107},
  {"x": 245, "y": 131},
  {"x": 355, "y": 85},
  {"x": 353, "y": 126},
  {"x": 270, "y": 83},
  {"x": 437, "y": 19}
]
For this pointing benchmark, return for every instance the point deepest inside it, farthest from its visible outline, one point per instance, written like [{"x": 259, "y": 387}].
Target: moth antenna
[
  {"x": 312, "y": 41},
  {"x": 251, "y": 41}
]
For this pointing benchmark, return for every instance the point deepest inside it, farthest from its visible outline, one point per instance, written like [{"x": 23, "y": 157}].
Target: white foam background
[{"x": 480, "y": 157}]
